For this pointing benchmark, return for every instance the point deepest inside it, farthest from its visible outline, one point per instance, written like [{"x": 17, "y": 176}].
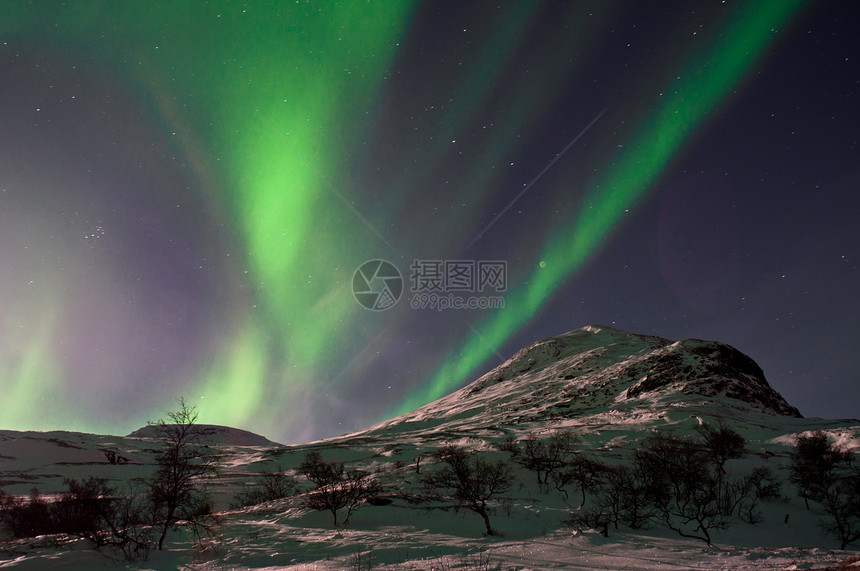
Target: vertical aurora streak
[
  {"x": 228, "y": 85},
  {"x": 704, "y": 82},
  {"x": 299, "y": 87}
]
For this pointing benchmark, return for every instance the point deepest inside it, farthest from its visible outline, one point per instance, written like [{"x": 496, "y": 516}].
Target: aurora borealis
[{"x": 187, "y": 190}]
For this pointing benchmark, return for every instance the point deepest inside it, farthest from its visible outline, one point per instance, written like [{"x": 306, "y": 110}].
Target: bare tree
[
  {"x": 722, "y": 444},
  {"x": 624, "y": 496},
  {"x": 544, "y": 457},
  {"x": 633, "y": 491},
  {"x": 470, "y": 481},
  {"x": 95, "y": 511},
  {"x": 684, "y": 485},
  {"x": 582, "y": 472},
  {"x": 336, "y": 488},
  {"x": 814, "y": 465},
  {"x": 679, "y": 482},
  {"x": 28, "y": 517},
  {"x": 742, "y": 496},
  {"x": 85, "y": 508},
  {"x": 177, "y": 489},
  {"x": 130, "y": 534},
  {"x": 6, "y": 502},
  {"x": 842, "y": 504},
  {"x": 270, "y": 485},
  {"x": 822, "y": 473}
]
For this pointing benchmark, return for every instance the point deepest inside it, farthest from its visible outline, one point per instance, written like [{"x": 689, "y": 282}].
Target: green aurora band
[
  {"x": 254, "y": 98},
  {"x": 279, "y": 129},
  {"x": 703, "y": 83}
]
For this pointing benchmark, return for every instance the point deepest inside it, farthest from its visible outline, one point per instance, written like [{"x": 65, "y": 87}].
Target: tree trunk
[
  {"x": 483, "y": 514},
  {"x": 165, "y": 526}
]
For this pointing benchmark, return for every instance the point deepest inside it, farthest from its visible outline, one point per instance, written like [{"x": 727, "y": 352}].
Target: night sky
[{"x": 188, "y": 189}]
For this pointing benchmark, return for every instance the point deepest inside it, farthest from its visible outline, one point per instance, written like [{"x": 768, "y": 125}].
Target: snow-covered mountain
[
  {"x": 610, "y": 387},
  {"x": 597, "y": 373}
]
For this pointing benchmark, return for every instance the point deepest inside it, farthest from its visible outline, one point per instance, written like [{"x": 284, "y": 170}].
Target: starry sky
[{"x": 188, "y": 189}]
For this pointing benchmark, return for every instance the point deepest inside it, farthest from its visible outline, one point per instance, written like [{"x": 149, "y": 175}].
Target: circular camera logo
[{"x": 377, "y": 285}]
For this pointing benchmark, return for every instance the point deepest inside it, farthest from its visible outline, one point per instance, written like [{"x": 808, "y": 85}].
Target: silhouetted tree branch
[
  {"x": 469, "y": 481},
  {"x": 336, "y": 488},
  {"x": 177, "y": 488}
]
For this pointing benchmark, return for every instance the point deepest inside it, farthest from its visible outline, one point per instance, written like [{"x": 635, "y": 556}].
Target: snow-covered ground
[{"x": 581, "y": 381}]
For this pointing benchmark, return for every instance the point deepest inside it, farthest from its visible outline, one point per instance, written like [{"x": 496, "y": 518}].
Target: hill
[{"x": 214, "y": 434}]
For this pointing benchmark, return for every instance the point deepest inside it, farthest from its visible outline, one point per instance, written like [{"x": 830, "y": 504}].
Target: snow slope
[{"x": 610, "y": 387}]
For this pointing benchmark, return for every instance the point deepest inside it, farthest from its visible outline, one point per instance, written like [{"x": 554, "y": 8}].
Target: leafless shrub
[
  {"x": 269, "y": 486},
  {"x": 544, "y": 457}
]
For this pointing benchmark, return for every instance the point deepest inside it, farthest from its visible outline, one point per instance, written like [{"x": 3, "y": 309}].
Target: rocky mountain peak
[{"x": 599, "y": 370}]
